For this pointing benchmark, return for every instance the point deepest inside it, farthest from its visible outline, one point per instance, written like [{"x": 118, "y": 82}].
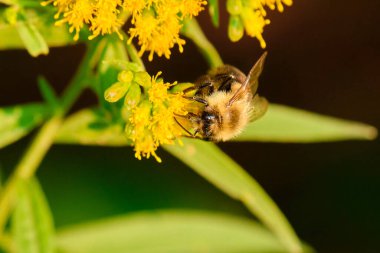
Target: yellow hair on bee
[{"x": 231, "y": 119}]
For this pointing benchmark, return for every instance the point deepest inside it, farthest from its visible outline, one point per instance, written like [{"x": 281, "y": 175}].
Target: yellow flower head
[
  {"x": 251, "y": 14},
  {"x": 107, "y": 20},
  {"x": 102, "y": 16},
  {"x": 158, "y": 23},
  {"x": 150, "y": 122},
  {"x": 279, "y": 3},
  {"x": 80, "y": 13},
  {"x": 155, "y": 23},
  {"x": 192, "y": 8},
  {"x": 157, "y": 33}
]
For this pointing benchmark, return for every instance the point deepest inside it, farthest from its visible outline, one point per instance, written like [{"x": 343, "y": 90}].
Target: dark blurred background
[{"x": 324, "y": 56}]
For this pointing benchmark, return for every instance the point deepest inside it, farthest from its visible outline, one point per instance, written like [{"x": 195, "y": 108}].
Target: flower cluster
[
  {"x": 149, "y": 110},
  {"x": 155, "y": 23},
  {"x": 102, "y": 16},
  {"x": 249, "y": 15}
]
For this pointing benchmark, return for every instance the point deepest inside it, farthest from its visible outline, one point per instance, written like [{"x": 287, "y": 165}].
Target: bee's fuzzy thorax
[{"x": 231, "y": 119}]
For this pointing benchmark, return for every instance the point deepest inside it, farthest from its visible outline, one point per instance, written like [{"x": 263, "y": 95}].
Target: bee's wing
[
  {"x": 259, "y": 107},
  {"x": 252, "y": 80},
  {"x": 254, "y": 74}
]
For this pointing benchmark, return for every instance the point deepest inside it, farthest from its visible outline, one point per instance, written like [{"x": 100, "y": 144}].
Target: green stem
[
  {"x": 41, "y": 144},
  {"x": 193, "y": 31},
  {"x": 78, "y": 82},
  {"x": 132, "y": 52},
  {"x": 28, "y": 164}
]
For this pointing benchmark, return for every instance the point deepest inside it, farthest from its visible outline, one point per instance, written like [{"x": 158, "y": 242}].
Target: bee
[{"x": 229, "y": 102}]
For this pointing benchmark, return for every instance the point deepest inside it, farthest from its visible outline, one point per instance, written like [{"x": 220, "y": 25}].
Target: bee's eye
[{"x": 208, "y": 116}]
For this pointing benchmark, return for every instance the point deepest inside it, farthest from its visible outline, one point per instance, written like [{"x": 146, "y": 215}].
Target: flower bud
[
  {"x": 133, "y": 96},
  {"x": 116, "y": 92},
  {"x": 143, "y": 79},
  {"x": 235, "y": 28},
  {"x": 234, "y": 7},
  {"x": 126, "y": 112},
  {"x": 129, "y": 128},
  {"x": 125, "y": 76}
]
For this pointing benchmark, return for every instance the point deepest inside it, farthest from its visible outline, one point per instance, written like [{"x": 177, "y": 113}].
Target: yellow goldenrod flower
[
  {"x": 155, "y": 23},
  {"x": 254, "y": 23},
  {"x": 149, "y": 111},
  {"x": 251, "y": 14},
  {"x": 81, "y": 13},
  {"x": 106, "y": 19},
  {"x": 135, "y": 7},
  {"x": 102, "y": 16},
  {"x": 158, "y": 23},
  {"x": 157, "y": 33},
  {"x": 192, "y": 8},
  {"x": 279, "y": 3}
]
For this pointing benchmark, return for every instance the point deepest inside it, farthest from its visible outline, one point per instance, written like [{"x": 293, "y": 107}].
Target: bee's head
[{"x": 209, "y": 124}]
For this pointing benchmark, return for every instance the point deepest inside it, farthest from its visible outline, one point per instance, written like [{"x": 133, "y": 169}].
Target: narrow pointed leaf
[
  {"x": 88, "y": 127},
  {"x": 55, "y": 36},
  {"x": 48, "y": 92},
  {"x": 17, "y": 121},
  {"x": 32, "y": 38},
  {"x": 32, "y": 223},
  {"x": 169, "y": 231},
  {"x": 215, "y": 166},
  {"x": 286, "y": 124},
  {"x": 213, "y": 8}
]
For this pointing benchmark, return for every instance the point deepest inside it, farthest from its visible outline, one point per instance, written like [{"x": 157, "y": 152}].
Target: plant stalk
[
  {"x": 44, "y": 139},
  {"x": 193, "y": 31}
]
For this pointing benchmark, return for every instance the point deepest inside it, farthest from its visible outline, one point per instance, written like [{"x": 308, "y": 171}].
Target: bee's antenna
[{"x": 252, "y": 79}]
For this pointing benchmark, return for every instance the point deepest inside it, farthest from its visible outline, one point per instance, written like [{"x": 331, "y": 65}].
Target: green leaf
[
  {"x": 48, "y": 92},
  {"x": 169, "y": 231},
  {"x": 32, "y": 223},
  {"x": 213, "y": 9},
  {"x": 17, "y": 121},
  {"x": 286, "y": 124},
  {"x": 89, "y": 127},
  {"x": 32, "y": 38},
  {"x": 54, "y": 36},
  {"x": 211, "y": 163}
]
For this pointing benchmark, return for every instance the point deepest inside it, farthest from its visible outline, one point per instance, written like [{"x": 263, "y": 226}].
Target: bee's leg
[
  {"x": 207, "y": 84},
  {"x": 227, "y": 80},
  {"x": 187, "y": 131},
  {"x": 197, "y": 99},
  {"x": 189, "y": 116}
]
